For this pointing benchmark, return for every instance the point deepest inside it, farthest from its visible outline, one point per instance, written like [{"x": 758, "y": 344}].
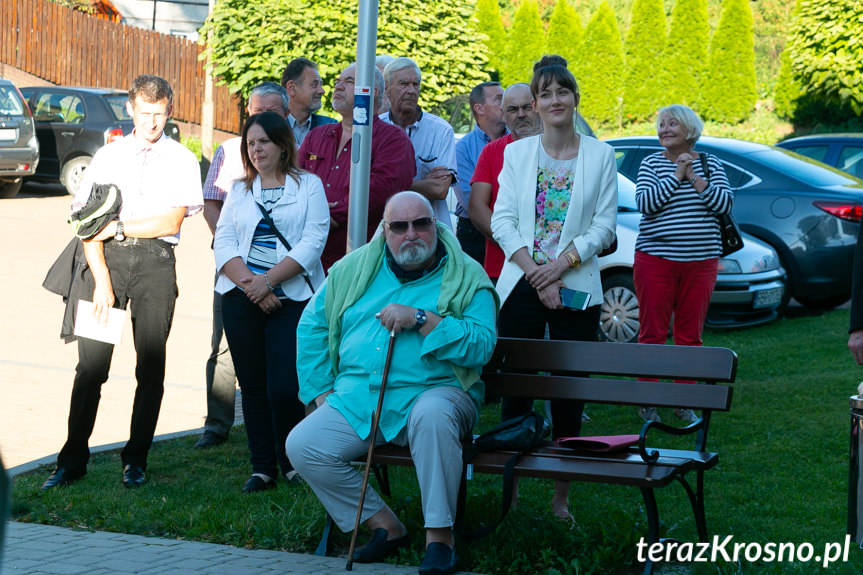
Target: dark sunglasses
[{"x": 400, "y": 227}]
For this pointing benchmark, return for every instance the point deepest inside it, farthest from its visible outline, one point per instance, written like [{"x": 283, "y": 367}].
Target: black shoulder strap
[
  {"x": 269, "y": 220},
  {"x": 703, "y": 157}
]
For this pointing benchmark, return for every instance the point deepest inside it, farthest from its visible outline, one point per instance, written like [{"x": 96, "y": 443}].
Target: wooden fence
[{"x": 67, "y": 47}]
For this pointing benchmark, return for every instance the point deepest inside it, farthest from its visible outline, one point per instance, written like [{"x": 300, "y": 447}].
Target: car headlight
[
  {"x": 765, "y": 263},
  {"x": 728, "y": 266}
]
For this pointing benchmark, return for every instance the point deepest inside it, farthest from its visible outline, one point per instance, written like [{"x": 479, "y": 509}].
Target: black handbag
[{"x": 729, "y": 231}]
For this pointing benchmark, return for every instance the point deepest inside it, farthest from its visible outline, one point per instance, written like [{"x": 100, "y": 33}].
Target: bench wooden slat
[
  {"x": 610, "y": 391},
  {"x": 620, "y": 359}
]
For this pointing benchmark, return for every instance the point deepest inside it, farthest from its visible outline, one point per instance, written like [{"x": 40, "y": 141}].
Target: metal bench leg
[
  {"x": 652, "y": 523},
  {"x": 382, "y": 476},
  {"x": 321, "y": 551},
  {"x": 696, "y": 499}
]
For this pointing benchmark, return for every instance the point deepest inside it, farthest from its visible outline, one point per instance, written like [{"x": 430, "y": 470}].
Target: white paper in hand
[{"x": 88, "y": 325}]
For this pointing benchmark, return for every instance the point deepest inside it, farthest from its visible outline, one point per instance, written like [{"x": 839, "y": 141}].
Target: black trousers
[
  {"x": 143, "y": 273},
  {"x": 523, "y": 315},
  {"x": 471, "y": 239}
]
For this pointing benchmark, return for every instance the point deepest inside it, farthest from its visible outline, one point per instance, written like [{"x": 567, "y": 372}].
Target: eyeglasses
[{"x": 400, "y": 227}]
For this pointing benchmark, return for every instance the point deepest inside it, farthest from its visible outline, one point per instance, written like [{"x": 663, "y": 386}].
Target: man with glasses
[
  {"x": 431, "y": 136},
  {"x": 412, "y": 279},
  {"x": 326, "y": 152}
]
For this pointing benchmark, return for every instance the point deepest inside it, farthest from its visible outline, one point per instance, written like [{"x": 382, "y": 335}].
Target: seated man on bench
[{"x": 414, "y": 280}]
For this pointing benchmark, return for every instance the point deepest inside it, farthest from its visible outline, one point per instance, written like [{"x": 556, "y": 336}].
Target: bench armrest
[{"x": 651, "y": 456}]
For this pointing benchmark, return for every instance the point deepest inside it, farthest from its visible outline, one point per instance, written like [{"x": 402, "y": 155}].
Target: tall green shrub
[
  {"x": 826, "y": 47},
  {"x": 253, "y": 41},
  {"x": 788, "y": 91},
  {"x": 566, "y": 35},
  {"x": 525, "y": 43},
  {"x": 729, "y": 94},
  {"x": 644, "y": 84},
  {"x": 602, "y": 68},
  {"x": 489, "y": 22},
  {"x": 687, "y": 49}
]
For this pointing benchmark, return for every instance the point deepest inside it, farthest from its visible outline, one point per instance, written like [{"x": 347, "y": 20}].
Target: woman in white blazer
[
  {"x": 555, "y": 211},
  {"x": 266, "y": 284}
]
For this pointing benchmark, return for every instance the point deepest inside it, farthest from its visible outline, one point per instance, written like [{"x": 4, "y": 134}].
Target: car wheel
[
  {"x": 826, "y": 303},
  {"x": 73, "y": 173},
  {"x": 10, "y": 189},
  {"x": 618, "y": 318}
]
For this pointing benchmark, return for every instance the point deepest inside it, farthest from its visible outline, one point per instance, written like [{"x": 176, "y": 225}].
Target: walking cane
[{"x": 375, "y": 419}]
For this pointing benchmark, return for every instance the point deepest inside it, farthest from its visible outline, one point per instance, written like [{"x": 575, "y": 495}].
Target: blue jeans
[
  {"x": 264, "y": 349},
  {"x": 143, "y": 273}
]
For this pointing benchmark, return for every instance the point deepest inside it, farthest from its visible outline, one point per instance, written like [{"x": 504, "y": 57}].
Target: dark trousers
[
  {"x": 264, "y": 349},
  {"x": 220, "y": 376},
  {"x": 143, "y": 273},
  {"x": 471, "y": 239},
  {"x": 523, "y": 315}
]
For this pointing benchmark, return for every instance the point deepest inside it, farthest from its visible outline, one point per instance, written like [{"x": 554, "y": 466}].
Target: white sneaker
[
  {"x": 686, "y": 415},
  {"x": 649, "y": 414}
]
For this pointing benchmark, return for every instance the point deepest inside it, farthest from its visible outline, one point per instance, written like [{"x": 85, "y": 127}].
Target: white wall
[{"x": 171, "y": 18}]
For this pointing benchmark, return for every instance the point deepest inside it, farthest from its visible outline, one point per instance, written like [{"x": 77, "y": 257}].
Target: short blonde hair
[{"x": 686, "y": 117}]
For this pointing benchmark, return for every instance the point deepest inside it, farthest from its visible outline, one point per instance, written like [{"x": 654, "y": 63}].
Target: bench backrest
[{"x": 514, "y": 366}]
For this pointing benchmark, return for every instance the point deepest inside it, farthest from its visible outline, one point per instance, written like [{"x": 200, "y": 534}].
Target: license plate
[
  {"x": 767, "y": 298},
  {"x": 8, "y": 134}
]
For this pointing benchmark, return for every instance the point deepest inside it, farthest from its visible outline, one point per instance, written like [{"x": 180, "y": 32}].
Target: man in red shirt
[
  {"x": 326, "y": 152},
  {"x": 522, "y": 121}
]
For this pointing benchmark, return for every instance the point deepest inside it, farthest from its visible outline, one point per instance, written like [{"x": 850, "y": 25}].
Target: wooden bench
[{"x": 513, "y": 371}]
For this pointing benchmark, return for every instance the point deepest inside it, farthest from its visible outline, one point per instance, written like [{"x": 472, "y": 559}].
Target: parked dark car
[
  {"x": 842, "y": 151},
  {"x": 808, "y": 212},
  {"x": 749, "y": 285},
  {"x": 19, "y": 148},
  {"x": 72, "y": 123}
]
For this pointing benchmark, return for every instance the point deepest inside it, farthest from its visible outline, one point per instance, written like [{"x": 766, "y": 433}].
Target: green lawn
[{"x": 782, "y": 477}]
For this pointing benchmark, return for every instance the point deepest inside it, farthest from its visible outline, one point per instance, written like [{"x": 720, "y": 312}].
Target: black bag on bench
[{"x": 521, "y": 434}]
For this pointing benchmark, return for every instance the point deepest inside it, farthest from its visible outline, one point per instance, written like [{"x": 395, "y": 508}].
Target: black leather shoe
[
  {"x": 378, "y": 547},
  {"x": 210, "y": 439},
  {"x": 440, "y": 559},
  {"x": 133, "y": 476},
  {"x": 62, "y": 476},
  {"x": 257, "y": 483}
]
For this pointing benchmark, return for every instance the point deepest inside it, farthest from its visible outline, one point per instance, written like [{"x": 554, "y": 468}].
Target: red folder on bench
[{"x": 598, "y": 443}]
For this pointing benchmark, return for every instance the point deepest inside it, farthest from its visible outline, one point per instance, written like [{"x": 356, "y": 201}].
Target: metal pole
[
  {"x": 376, "y": 416},
  {"x": 361, "y": 143}
]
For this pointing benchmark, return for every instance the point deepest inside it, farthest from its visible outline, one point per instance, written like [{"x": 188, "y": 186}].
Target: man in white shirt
[
  {"x": 431, "y": 136},
  {"x": 132, "y": 260}
]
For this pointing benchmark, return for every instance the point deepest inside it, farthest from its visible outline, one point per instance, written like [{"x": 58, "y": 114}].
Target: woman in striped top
[
  {"x": 679, "y": 243},
  {"x": 267, "y": 283}
]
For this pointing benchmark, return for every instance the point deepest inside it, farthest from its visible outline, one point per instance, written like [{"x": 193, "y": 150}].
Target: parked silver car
[
  {"x": 749, "y": 286},
  {"x": 19, "y": 148}
]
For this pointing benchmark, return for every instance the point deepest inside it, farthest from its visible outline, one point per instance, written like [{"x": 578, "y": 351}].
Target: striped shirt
[
  {"x": 262, "y": 254},
  {"x": 679, "y": 223}
]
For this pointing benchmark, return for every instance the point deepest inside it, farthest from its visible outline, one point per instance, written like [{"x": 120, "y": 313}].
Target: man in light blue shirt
[
  {"x": 412, "y": 279},
  {"x": 486, "y": 105}
]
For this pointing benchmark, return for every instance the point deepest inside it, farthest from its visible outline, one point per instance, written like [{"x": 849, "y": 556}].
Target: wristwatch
[
  {"x": 119, "y": 235},
  {"x": 421, "y": 318}
]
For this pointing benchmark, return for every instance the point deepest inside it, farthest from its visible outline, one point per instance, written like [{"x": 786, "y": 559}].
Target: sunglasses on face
[{"x": 400, "y": 227}]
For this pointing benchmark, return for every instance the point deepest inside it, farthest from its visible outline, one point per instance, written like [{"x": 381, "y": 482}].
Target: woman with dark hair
[
  {"x": 268, "y": 245},
  {"x": 681, "y": 194},
  {"x": 555, "y": 211}
]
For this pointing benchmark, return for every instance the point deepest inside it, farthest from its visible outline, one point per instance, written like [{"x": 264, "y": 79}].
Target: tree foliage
[
  {"x": 644, "y": 84},
  {"x": 252, "y": 42},
  {"x": 565, "y": 34},
  {"x": 525, "y": 43},
  {"x": 602, "y": 68},
  {"x": 489, "y": 23},
  {"x": 729, "y": 94},
  {"x": 826, "y": 49},
  {"x": 686, "y": 52},
  {"x": 787, "y": 92}
]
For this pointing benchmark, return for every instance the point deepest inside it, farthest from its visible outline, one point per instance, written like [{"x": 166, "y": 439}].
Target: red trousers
[{"x": 667, "y": 289}]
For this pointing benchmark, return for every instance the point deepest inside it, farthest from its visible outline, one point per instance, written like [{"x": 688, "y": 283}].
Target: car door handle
[{"x": 67, "y": 134}]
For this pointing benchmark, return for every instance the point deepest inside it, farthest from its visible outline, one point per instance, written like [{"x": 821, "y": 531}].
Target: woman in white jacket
[
  {"x": 555, "y": 211},
  {"x": 268, "y": 245}
]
